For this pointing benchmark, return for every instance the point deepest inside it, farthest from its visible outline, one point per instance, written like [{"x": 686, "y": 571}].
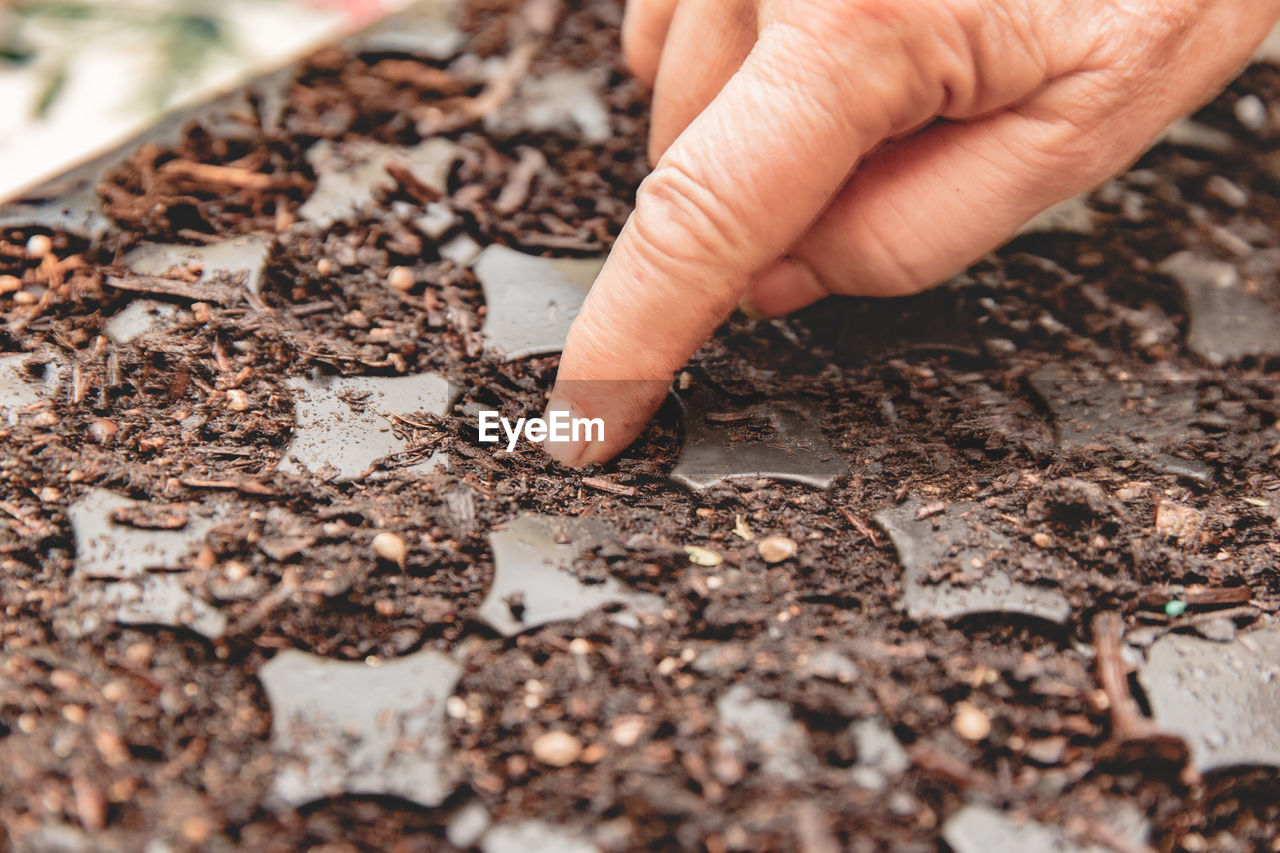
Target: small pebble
[
  {"x": 391, "y": 548},
  {"x": 775, "y": 549},
  {"x": 39, "y": 246},
  {"x": 1041, "y": 540},
  {"x": 103, "y": 432},
  {"x": 356, "y": 319},
  {"x": 64, "y": 680},
  {"x": 324, "y": 266},
  {"x": 557, "y": 749},
  {"x": 970, "y": 722},
  {"x": 401, "y": 279},
  {"x": 237, "y": 400},
  {"x": 1251, "y": 112}
]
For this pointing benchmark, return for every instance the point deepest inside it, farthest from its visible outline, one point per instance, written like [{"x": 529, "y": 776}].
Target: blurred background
[{"x": 77, "y": 76}]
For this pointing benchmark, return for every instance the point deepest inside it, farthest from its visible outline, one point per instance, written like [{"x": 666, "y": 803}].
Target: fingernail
[
  {"x": 568, "y": 453},
  {"x": 747, "y": 305}
]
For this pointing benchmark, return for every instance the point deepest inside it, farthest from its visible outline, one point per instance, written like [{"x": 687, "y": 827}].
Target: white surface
[{"x": 104, "y": 101}]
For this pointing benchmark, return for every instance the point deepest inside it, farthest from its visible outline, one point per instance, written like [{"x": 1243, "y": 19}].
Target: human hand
[{"x": 864, "y": 147}]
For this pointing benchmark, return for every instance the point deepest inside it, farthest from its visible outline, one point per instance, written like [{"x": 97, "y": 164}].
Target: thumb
[{"x": 740, "y": 185}]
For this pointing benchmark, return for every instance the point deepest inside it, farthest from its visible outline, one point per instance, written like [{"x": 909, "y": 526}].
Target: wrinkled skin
[{"x": 864, "y": 147}]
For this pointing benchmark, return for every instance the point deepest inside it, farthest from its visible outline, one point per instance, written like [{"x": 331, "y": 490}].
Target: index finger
[{"x": 744, "y": 181}]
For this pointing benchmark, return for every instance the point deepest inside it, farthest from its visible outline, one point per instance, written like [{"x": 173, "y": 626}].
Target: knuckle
[
  {"x": 681, "y": 223},
  {"x": 908, "y": 62}
]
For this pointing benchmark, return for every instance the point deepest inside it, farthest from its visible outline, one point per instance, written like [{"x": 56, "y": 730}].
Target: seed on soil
[
  {"x": 1041, "y": 539},
  {"x": 39, "y": 246},
  {"x": 391, "y": 548},
  {"x": 775, "y": 549},
  {"x": 557, "y": 749},
  {"x": 103, "y": 431},
  {"x": 627, "y": 730},
  {"x": 703, "y": 556},
  {"x": 91, "y": 806},
  {"x": 237, "y": 400},
  {"x": 356, "y": 319},
  {"x": 970, "y": 722},
  {"x": 197, "y": 829},
  {"x": 1251, "y": 112},
  {"x": 401, "y": 279}
]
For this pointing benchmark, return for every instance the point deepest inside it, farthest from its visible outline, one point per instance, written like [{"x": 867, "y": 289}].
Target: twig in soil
[
  {"x": 208, "y": 173},
  {"x": 516, "y": 191},
  {"x": 248, "y": 487},
  {"x": 609, "y": 486},
  {"x": 1128, "y": 725},
  {"x": 938, "y": 763},
  {"x": 1246, "y": 611},
  {"x": 207, "y": 292},
  {"x": 407, "y": 181},
  {"x": 1127, "y": 722},
  {"x": 861, "y": 526},
  {"x": 285, "y": 590},
  {"x": 1198, "y": 596},
  {"x": 930, "y": 510}
]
